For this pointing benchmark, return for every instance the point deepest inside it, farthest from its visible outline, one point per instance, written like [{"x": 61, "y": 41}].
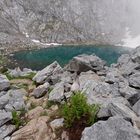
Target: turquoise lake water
[{"x": 38, "y": 59}]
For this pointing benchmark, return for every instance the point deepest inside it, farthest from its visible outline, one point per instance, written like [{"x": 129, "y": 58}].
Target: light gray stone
[
  {"x": 5, "y": 117},
  {"x": 57, "y": 94},
  {"x": 114, "y": 128},
  {"x": 4, "y": 82},
  {"x": 6, "y": 130},
  {"x": 45, "y": 74},
  {"x": 15, "y": 100},
  {"x": 41, "y": 90},
  {"x": 119, "y": 109},
  {"x": 57, "y": 123}
]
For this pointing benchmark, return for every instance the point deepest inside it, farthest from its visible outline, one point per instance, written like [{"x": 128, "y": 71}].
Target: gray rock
[
  {"x": 41, "y": 90},
  {"x": 113, "y": 75},
  {"x": 45, "y": 74},
  {"x": 104, "y": 113},
  {"x": 119, "y": 109},
  {"x": 135, "y": 55},
  {"x": 127, "y": 91},
  {"x": 83, "y": 63},
  {"x": 6, "y": 130},
  {"x": 57, "y": 94},
  {"x": 86, "y": 76},
  {"x": 134, "y": 80},
  {"x": 4, "y": 101},
  {"x": 15, "y": 73},
  {"x": 136, "y": 107},
  {"x": 2, "y": 93},
  {"x": 5, "y": 117},
  {"x": 15, "y": 100},
  {"x": 133, "y": 99},
  {"x": 4, "y": 82},
  {"x": 57, "y": 123},
  {"x": 101, "y": 93},
  {"x": 114, "y": 128}
]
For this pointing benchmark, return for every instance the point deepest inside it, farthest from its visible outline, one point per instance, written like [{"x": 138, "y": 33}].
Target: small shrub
[
  {"x": 78, "y": 108},
  {"x": 16, "y": 119}
]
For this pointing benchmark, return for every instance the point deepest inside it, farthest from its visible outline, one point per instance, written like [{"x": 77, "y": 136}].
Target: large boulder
[
  {"x": 99, "y": 92},
  {"x": 47, "y": 72},
  {"x": 4, "y": 82},
  {"x": 83, "y": 63},
  {"x": 114, "y": 128}
]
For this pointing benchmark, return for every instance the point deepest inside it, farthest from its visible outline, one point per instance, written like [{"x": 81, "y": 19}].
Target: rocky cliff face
[{"x": 65, "y": 21}]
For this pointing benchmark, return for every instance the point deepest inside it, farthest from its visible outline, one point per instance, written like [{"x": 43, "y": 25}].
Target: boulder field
[{"x": 116, "y": 89}]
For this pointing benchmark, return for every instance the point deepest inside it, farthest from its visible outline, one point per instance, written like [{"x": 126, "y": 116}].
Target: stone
[
  {"x": 136, "y": 108},
  {"x": 99, "y": 92},
  {"x": 35, "y": 113},
  {"x": 5, "y": 117},
  {"x": 57, "y": 123},
  {"x": 119, "y": 109},
  {"x": 44, "y": 75},
  {"x": 36, "y": 129},
  {"x": 57, "y": 94},
  {"x": 135, "y": 55},
  {"x": 134, "y": 80},
  {"x": 41, "y": 90},
  {"x": 15, "y": 100},
  {"x": 115, "y": 128},
  {"x": 112, "y": 75},
  {"x": 86, "y": 76},
  {"x": 133, "y": 99},
  {"x": 75, "y": 86},
  {"x": 83, "y": 63},
  {"x": 15, "y": 73},
  {"x": 4, "y": 82},
  {"x": 2, "y": 93},
  {"x": 6, "y": 130}
]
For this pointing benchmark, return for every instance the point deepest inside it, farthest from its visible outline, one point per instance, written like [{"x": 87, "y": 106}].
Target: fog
[{"x": 132, "y": 34}]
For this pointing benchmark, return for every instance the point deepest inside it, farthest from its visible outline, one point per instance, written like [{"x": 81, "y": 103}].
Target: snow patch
[
  {"x": 46, "y": 44},
  {"x": 129, "y": 41}
]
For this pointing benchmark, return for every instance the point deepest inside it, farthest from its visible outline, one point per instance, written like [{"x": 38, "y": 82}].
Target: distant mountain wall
[{"x": 67, "y": 21}]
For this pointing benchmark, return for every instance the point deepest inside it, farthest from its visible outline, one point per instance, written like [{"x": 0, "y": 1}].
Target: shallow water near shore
[{"x": 38, "y": 59}]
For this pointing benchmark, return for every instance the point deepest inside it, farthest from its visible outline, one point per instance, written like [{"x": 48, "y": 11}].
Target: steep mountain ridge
[{"x": 64, "y": 21}]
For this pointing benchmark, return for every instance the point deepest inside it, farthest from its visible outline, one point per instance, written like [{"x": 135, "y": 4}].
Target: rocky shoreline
[{"x": 30, "y": 101}]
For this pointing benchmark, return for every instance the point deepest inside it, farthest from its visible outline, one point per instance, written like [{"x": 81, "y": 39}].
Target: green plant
[
  {"x": 78, "y": 108},
  {"x": 49, "y": 104},
  {"x": 16, "y": 119}
]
